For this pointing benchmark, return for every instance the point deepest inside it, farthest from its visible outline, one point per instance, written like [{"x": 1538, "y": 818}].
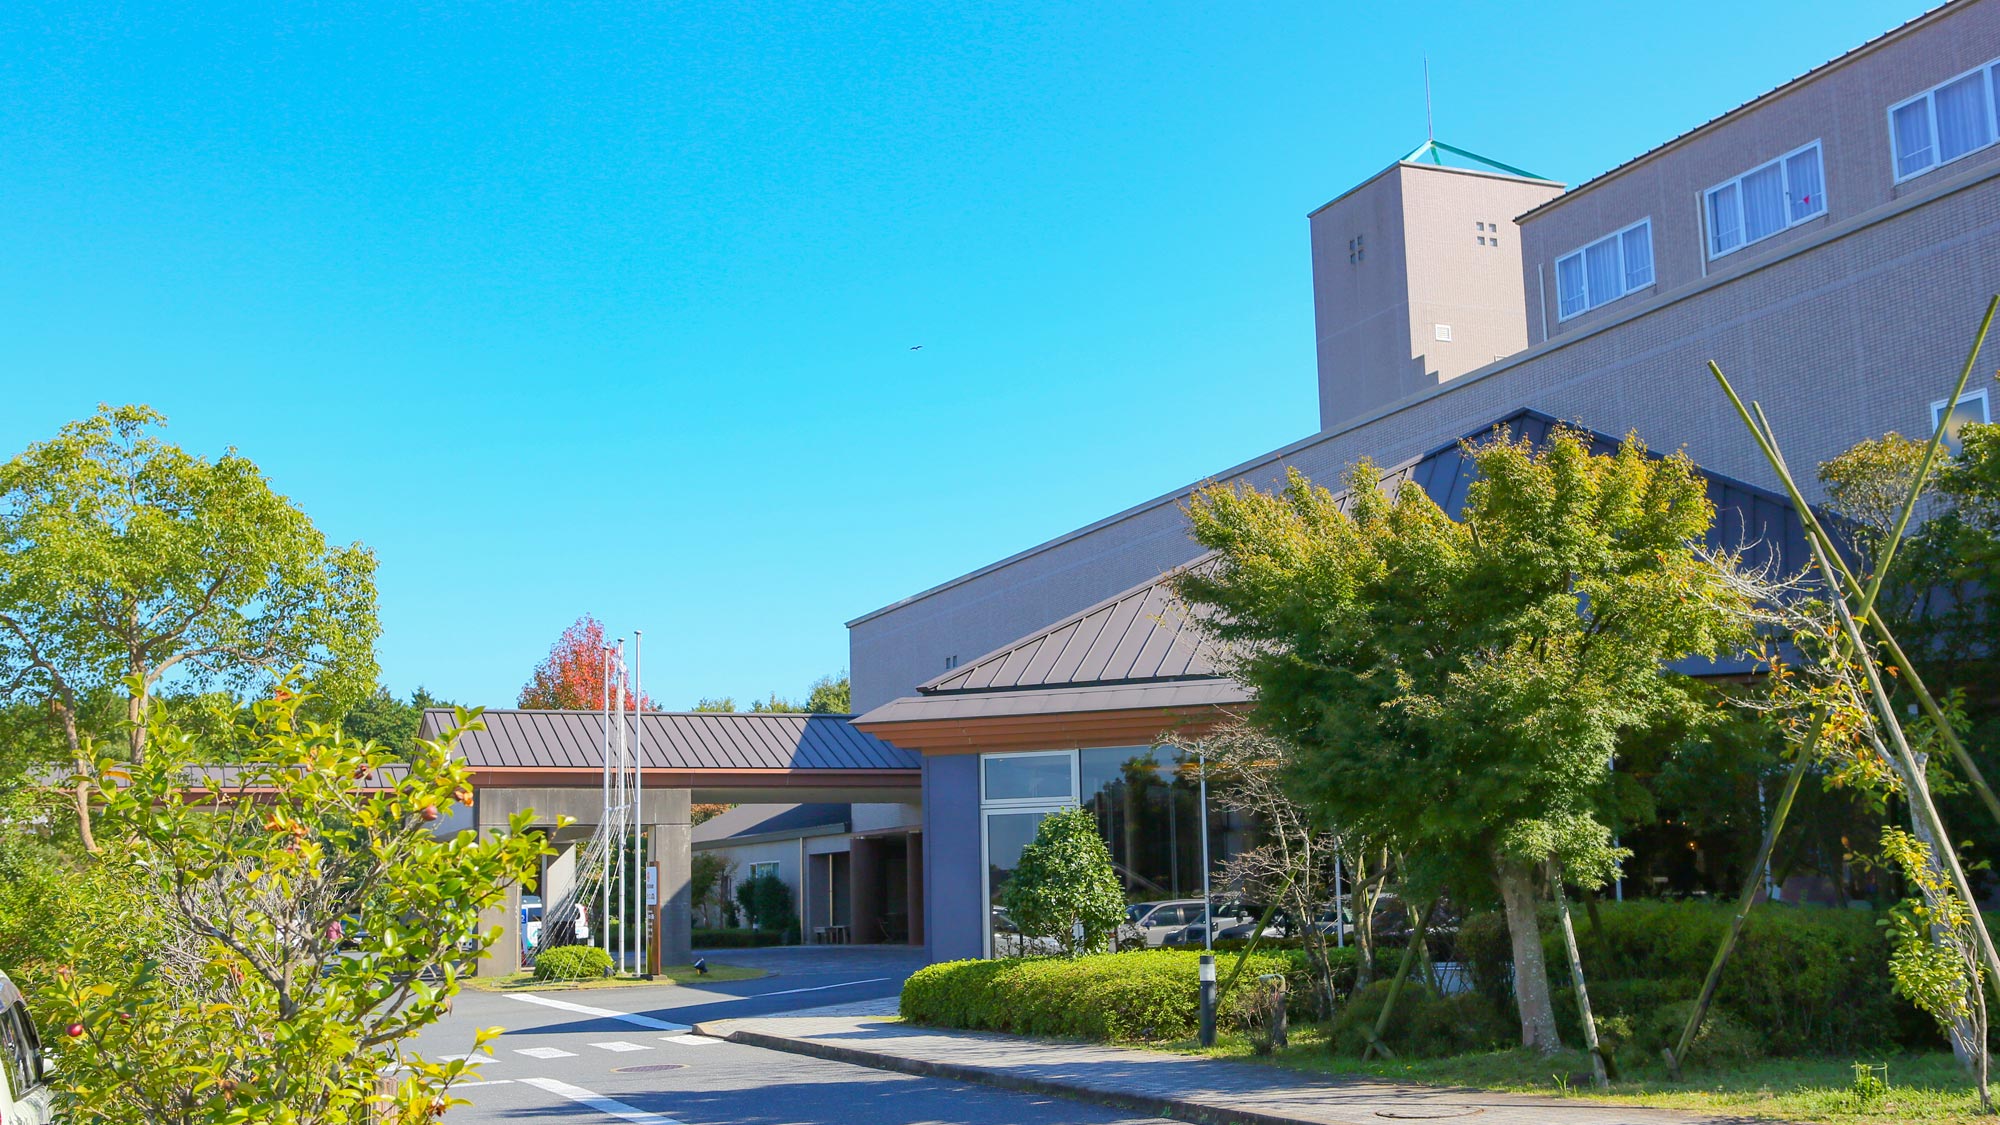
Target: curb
[{"x": 1199, "y": 1113}]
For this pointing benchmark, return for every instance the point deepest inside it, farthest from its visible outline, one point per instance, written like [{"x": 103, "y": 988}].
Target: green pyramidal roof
[{"x": 1451, "y": 156}]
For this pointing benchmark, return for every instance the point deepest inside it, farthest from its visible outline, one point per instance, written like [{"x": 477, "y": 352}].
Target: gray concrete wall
[
  {"x": 1845, "y": 107},
  {"x": 1842, "y": 335},
  {"x": 954, "y": 914}
]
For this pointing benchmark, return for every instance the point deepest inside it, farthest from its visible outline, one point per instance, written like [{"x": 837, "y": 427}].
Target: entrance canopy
[{"x": 729, "y": 757}]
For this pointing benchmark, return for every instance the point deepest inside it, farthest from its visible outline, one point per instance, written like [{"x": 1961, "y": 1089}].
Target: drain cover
[
  {"x": 1429, "y": 1113},
  {"x": 649, "y": 1068}
]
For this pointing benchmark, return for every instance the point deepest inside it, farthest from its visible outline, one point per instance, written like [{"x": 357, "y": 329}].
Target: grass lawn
[
  {"x": 524, "y": 981},
  {"x": 1923, "y": 1087}
]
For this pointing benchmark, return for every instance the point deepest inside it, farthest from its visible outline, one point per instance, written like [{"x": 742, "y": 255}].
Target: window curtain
[
  {"x": 1569, "y": 285},
  {"x": 1638, "y": 256},
  {"x": 1964, "y": 121},
  {"x": 1763, "y": 202},
  {"x": 1804, "y": 182},
  {"x": 1725, "y": 221},
  {"x": 1600, "y": 263},
  {"x": 1913, "y": 137}
]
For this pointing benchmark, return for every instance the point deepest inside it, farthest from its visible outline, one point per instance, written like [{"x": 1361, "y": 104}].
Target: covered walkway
[{"x": 551, "y": 762}]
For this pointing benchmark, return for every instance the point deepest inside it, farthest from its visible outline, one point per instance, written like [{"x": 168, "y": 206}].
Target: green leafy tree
[
  {"x": 1457, "y": 689},
  {"x": 1065, "y": 877},
  {"x": 724, "y": 704},
  {"x": 308, "y": 922},
  {"x": 776, "y": 705},
  {"x": 767, "y": 902},
  {"x": 124, "y": 559},
  {"x": 830, "y": 695}
]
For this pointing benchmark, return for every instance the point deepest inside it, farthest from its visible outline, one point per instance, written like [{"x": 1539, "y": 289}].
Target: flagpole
[
  {"x": 604, "y": 817},
  {"x": 638, "y": 795},
  {"x": 624, "y": 801}
]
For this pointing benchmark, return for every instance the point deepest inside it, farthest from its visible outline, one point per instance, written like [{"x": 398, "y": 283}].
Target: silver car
[{"x": 24, "y": 1088}]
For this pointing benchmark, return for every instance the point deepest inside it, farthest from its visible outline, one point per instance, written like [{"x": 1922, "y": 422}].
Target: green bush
[
  {"x": 1424, "y": 1024},
  {"x": 736, "y": 939},
  {"x": 572, "y": 962},
  {"x": 1148, "y": 995},
  {"x": 1807, "y": 980},
  {"x": 767, "y": 901}
]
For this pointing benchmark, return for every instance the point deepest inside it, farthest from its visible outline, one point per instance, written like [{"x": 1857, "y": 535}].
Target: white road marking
[
  {"x": 598, "y": 1102},
  {"x": 585, "y": 1009},
  {"x": 690, "y": 1040},
  {"x": 545, "y": 1052},
  {"x": 815, "y": 988},
  {"x": 481, "y": 1057},
  {"x": 487, "y": 1082},
  {"x": 621, "y": 1045}
]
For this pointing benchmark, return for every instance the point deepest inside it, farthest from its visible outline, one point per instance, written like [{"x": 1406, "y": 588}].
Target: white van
[{"x": 24, "y": 1089}]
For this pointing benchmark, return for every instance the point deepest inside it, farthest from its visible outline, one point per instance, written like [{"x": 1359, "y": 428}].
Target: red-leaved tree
[{"x": 572, "y": 677}]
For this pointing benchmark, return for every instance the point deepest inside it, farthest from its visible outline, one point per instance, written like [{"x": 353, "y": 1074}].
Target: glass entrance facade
[{"x": 1147, "y": 805}]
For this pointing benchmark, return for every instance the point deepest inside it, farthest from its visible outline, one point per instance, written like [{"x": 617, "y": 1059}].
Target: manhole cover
[
  {"x": 649, "y": 1068},
  {"x": 1429, "y": 1114}
]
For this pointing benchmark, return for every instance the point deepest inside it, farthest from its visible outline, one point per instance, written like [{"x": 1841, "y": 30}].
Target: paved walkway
[{"x": 1206, "y": 1091}]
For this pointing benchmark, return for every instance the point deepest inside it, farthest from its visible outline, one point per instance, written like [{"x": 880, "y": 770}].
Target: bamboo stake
[
  {"x": 1417, "y": 937},
  {"x": 1597, "y": 1076}
]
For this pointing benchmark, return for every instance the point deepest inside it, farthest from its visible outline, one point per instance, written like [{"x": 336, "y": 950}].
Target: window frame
[
  {"x": 1952, "y": 442},
  {"x": 772, "y": 871},
  {"x": 1041, "y": 805},
  {"x": 986, "y": 801},
  {"x": 1990, "y": 74},
  {"x": 1783, "y": 162},
  {"x": 1617, "y": 240}
]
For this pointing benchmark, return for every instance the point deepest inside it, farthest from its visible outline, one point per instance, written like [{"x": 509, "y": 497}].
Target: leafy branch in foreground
[{"x": 310, "y": 923}]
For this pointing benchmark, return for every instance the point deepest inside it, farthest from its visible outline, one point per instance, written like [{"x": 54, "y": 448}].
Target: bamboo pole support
[{"x": 1597, "y": 1076}]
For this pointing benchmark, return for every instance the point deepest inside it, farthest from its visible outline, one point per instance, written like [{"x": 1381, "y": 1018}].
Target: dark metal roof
[
  {"x": 1141, "y": 643},
  {"x": 817, "y": 819},
  {"x": 675, "y": 740}
]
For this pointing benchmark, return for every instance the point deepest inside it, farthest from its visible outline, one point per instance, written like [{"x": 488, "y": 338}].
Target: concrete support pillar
[
  {"x": 504, "y": 958},
  {"x": 864, "y": 889},
  {"x": 670, "y": 835},
  {"x": 915, "y": 875}
]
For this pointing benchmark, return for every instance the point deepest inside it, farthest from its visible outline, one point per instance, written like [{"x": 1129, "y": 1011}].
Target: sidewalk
[{"x": 1206, "y": 1091}]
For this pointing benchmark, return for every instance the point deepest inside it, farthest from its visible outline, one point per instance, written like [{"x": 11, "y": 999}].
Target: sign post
[{"x": 653, "y": 918}]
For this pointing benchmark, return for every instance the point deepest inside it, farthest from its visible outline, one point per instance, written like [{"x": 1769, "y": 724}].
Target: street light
[{"x": 1207, "y": 911}]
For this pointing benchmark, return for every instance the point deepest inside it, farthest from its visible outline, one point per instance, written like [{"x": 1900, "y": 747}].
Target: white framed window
[
  {"x": 1027, "y": 777},
  {"x": 1765, "y": 200},
  {"x": 759, "y": 870},
  {"x": 1600, "y": 273},
  {"x": 1973, "y": 408},
  {"x": 1947, "y": 121}
]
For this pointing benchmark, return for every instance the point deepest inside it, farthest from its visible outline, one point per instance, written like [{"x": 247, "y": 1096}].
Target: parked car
[
  {"x": 24, "y": 1089},
  {"x": 1151, "y": 922},
  {"x": 1232, "y": 919},
  {"x": 531, "y": 924}
]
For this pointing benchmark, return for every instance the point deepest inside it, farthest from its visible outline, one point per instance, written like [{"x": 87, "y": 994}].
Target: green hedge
[
  {"x": 1144, "y": 995},
  {"x": 737, "y": 939},
  {"x": 572, "y": 962},
  {"x": 1805, "y": 979}
]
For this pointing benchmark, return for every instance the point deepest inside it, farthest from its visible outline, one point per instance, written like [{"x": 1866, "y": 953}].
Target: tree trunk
[
  {"x": 135, "y": 714},
  {"x": 68, "y": 716},
  {"x": 1516, "y": 884},
  {"x": 1967, "y": 1038}
]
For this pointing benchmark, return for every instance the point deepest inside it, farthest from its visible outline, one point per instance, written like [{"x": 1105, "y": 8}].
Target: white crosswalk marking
[
  {"x": 621, "y": 1045},
  {"x": 690, "y": 1040},
  {"x": 599, "y": 1102},
  {"x": 545, "y": 1052},
  {"x": 585, "y": 1009}
]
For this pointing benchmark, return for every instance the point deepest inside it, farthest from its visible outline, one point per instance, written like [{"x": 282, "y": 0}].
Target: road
[{"x": 639, "y": 1066}]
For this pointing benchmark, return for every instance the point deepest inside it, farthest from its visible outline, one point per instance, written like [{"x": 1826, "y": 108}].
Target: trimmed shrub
[
  {"x": 767, "y": 901},
  {"x": 572, "y": 962},
  {"x": 1424, "y": 1024},
  {"x": 1806, "y": 980},
  {"x": 737, "y": 939},
  {"x": 1146, "y": 995}
]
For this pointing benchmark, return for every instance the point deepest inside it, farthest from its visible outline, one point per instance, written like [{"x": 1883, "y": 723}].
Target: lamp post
[{"x": 1207, "y": 912}]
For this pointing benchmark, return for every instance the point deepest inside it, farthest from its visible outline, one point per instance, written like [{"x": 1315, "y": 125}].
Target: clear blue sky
[{"x": 609, "y": 308}]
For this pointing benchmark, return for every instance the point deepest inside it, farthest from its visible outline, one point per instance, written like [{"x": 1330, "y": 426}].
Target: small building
[{"x": 853, "y": 869}]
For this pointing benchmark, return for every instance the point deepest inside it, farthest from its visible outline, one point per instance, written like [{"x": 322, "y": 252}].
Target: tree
[
  {"x": 725, "y": 705},
  {"x": 767, "y": 902},
  {"x": 1065, "y": 877},
  {"x": 381, "y": 717},
  {"x": 830, "y": 696},
  {"x": 775, "y": 705},
  {"x": 571, "y": 677},
  {"x": 125, "y": 558},
  {"x": 1457, "y": 689},
  {"x": 308, "y": 922}
]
